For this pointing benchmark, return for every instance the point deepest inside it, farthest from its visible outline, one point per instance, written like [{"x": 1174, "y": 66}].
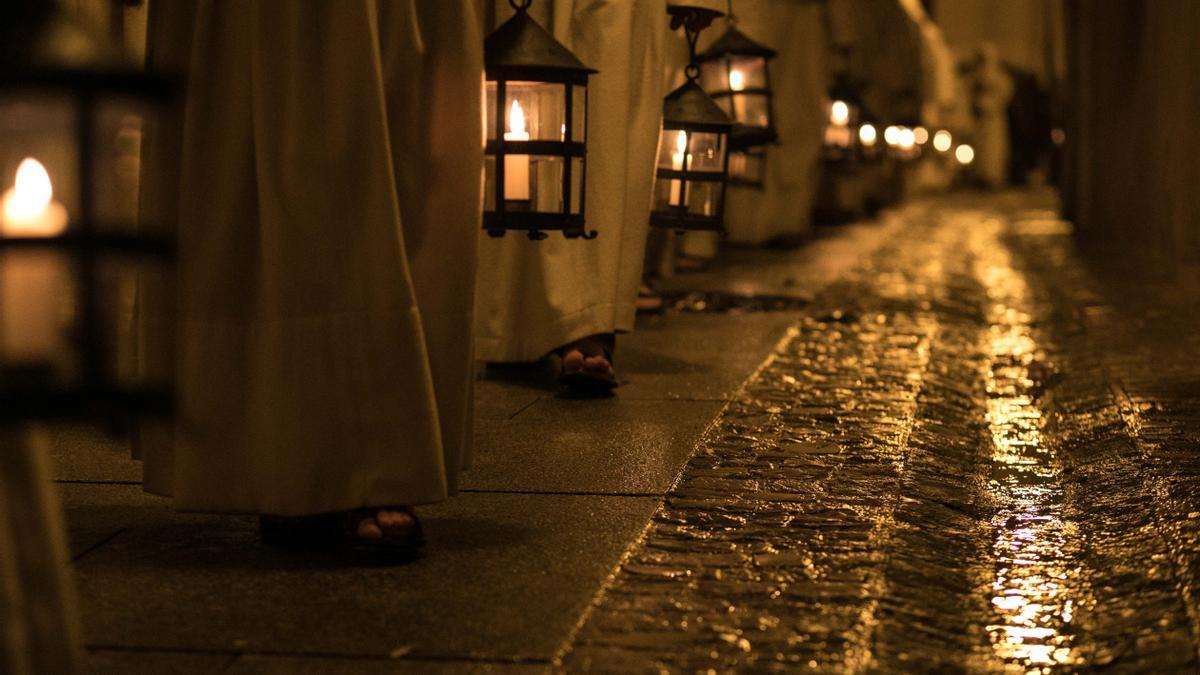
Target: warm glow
[
  {"x": 921, "y": 135},
  {"x": 681, "y": 142},
  {"x": 516, "y": 118},
  {"x": 891, "y": 135},
  {"x": 906, "y": 138},
  {"x": 867, "y": 134},
  {"x": 29, "y": 208},
  {"x": 737, "y": 81},
  {"x": 965, "y": 154},
  {"x": 839, "y": 113},
  {"x": 942, "y": 141}
]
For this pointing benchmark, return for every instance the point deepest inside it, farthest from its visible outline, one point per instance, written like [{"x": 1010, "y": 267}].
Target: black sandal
[
  {"x": 583, "y": 384},
  {"x": 338, "y": 532}
]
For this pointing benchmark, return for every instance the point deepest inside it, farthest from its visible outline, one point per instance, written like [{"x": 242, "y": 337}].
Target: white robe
[
  {"x": 536, "y": 296},
  {"x": 329, "y": 167}
]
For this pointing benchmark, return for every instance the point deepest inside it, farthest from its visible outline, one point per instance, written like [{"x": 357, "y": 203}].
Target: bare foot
[{"x": 386, "y": 523}]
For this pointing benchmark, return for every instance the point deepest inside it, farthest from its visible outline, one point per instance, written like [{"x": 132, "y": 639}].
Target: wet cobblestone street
[{"x": 969, "y": 455}]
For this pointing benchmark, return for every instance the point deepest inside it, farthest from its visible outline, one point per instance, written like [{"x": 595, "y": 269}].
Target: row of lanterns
[{"x": 719, "y": 118}]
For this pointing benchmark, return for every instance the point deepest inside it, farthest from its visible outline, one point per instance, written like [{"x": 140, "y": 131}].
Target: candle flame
[
  {"x": 737, "y": 81},
  {"x": 31, "y": 192},
  {"x": 516, "y": 118},
  {"x": 839, "y": 113},
  {"x": 681, "y": 142}
]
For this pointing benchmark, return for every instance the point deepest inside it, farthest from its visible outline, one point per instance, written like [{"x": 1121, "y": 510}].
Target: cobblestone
[{"x": 951, "y": 463}]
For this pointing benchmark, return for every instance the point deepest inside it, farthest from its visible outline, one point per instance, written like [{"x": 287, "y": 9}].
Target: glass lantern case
[
  {"x": 735, "y": 72},
  {"x": 693, "y": 162},
  {"x": 75, "y": 256},
  {"x": 536, "y": 132}
]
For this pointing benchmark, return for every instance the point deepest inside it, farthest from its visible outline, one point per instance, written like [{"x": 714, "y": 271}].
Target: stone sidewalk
[{"x": 558, "y": 492}]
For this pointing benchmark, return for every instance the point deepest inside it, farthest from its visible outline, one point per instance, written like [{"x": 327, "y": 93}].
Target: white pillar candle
[
  {"x": 516, "y": 167},
  {"x": 677, "y": 163},
  {"x": 32, "y": 283}
]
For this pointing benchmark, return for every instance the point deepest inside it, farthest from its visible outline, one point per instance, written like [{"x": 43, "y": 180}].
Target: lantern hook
[
  {"x": 520, "y": 5},
  {"x": 730, "y": 18}
]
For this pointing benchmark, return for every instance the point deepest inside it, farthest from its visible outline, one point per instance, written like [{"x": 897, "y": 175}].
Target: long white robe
[
  {"x": 783, "y": 206},
  {"x": 329, "y": 167},
  {"x": 536, "y": 296}
]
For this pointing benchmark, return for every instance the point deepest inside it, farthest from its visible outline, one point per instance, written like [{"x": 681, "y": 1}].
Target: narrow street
[{"x": 964, "y": 450}]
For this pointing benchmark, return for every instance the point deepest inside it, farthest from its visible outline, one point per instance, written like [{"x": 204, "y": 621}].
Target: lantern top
[
  {"x": 690, "y": 107},
  {"x": 735, "y": 42},
  {"x": 521, "y": 49}
]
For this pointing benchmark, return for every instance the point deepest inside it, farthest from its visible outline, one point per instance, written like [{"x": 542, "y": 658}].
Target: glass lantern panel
[
  {"x": 751, "y": 110},
  {"x": 490, "y": 103},
  {"x": 713, "y": 76},
  {"x": 534, "y": 111},
  {"x": 545, "y": 183},
  {"x": 120, "y": 125},
  {"x": 579, "y": 114},
  {"x": 706, "y": 152},
  {"x": 747, "y": 72},
  {"x": 122, "y": 285},
  {"x": 489, "y": 183},
  {"x": 672, "y": 149},
  {"x": 37, "y": 313},
  {"x": 668, "y": 192},
  {"x": 703, "y": 197},
  {"x": 39, "y": 128},
  {"x": 577, "y": 186}
]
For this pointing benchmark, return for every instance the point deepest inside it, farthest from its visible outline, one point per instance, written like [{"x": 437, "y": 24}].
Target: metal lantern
[
  {"x": 734, "y": 71},
  {"x": 869, "y": 137},
  {"x": 693, "y": 150},
  {"x": 536, "y": 131},
  {"x": 843, "y": 110},
  {"x": 73, "y": 252}
]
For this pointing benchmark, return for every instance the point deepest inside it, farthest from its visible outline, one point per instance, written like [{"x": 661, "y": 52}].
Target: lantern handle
[
  {"x": 730, "y": 18},
  {"x": 520, "y": 5}
]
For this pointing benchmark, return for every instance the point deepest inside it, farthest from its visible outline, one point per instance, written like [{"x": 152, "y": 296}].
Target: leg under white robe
[
  {"x": 535, "y": 296},
  {"x": 326, "y": 174}
]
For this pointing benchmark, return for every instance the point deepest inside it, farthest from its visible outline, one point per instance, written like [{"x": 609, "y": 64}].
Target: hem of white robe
[
  {"x": 329, "y": 507},
  {"x": 536, "y": 342}
]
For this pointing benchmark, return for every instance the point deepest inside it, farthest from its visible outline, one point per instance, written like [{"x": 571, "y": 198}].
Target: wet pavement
[
  {"x": 962, "y": 458},
  {"x": 940, "y": 442}
]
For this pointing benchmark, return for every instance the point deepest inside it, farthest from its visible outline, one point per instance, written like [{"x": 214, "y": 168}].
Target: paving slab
[
  {"x": 506, "y": 578},
  {"x": 84, "y": 453},
  {"x": 609, "y": 446}
]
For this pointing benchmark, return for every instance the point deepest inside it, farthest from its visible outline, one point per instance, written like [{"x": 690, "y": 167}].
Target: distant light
[
  {"x": 907, "y": 138},
  {"x": 1058, "y": 136},
  {"x": 942, "y": 140},
  {"x": 839, "y": 113},
  {"x": 891, "y": 135},
  {"x": 965, "y": 154},
  {"x": 867, "y": 134},
  {"x": 921, "y": 134},
  {"x": 737, "y": 81}
]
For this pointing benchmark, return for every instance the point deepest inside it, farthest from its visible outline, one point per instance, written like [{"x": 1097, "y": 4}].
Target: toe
[
  {"x": 573, "y": 361},
  {"x": 598, "y": 365},
  {"x": 368, "y": 528},
  {"x": 395, "y": 523}
]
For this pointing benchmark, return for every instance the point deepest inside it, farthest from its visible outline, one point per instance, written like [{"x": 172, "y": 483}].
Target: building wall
[
  {"x": 1027, "y": 33},
  {"x": 1133, "y": 178}
]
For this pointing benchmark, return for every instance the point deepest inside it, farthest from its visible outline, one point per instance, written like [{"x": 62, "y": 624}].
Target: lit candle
[
  {"x": 737, "y": 82},
  {"x": 677, "y": 162},
  {"x": 32, "y": 283},
  {"x": 516, "y": 167}
]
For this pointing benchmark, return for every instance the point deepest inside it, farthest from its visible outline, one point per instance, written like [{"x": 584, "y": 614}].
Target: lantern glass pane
[
  {"x": 490, "y": 107},
  {"x": 121, "y": 285},
  {"x": 668, "y": 192},
  {"x": 579, "y": 114},
  {"x": 40, "y": 127},
  {"x": 703, "y": 197},
  {"x": 545, "y": 183},
  {"x": 37, "y": 314},
  {"x": 534, "y": 111},
  {"x": 489, "y": 183},
  {"x": 751, "y": 110},
  {"x": 714, "y": 76},
  {"x": 706, "y": 151},
  {"x": 116, "y": 165},
  {"x": 747, "y": 72},
  {"x": 577, "y": 185}
]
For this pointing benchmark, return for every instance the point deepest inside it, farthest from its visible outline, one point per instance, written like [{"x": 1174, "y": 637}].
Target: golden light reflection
[{"x": 1031, "y": 598}]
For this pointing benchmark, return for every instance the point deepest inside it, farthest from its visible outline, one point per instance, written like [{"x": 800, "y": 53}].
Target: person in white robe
[
  {"x": 993, "y": 91},
  {"x": 326, "y": 168},
  {"x": 573, "y": 296}
]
